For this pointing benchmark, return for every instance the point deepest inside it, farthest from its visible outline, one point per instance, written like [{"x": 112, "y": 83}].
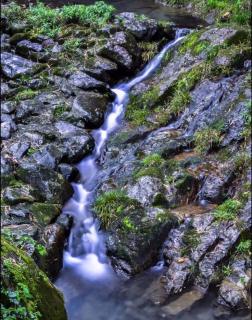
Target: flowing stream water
[{"x": 92, "y": 290}]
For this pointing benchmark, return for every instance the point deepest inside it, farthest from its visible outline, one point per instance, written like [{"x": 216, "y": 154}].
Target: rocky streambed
[{"x": 174, "y": 180}]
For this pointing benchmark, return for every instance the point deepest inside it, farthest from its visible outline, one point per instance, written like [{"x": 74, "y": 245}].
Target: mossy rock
[
  {"x": 241, "y": 36},
  {"x": 27, "y": 293},
  {"x": 45, "y": 213}
]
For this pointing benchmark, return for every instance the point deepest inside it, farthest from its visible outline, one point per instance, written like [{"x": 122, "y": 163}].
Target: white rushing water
[{"x": 86, "y": 251}]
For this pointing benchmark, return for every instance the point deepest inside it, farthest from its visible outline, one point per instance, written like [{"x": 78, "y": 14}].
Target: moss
[
  {"x": 31, "y": 151},
  {"x": 193, "y": 44},
  {"x": 139, "y": 107},
  {"x": 45, "y": 213},
  {"x": 151, "y": 165},
  {"x": 26, "y": 94},
  {"x": 15, "y": 183},
  {"x": 228, "y": 210},
  {"x": 27, "y": 293},
  {"x": 60, "y": 110}
]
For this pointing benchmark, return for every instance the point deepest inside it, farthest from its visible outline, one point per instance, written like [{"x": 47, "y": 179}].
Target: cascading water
[
  {"x": 86, "y": 250},
  {"x": 87, "y": 280}
]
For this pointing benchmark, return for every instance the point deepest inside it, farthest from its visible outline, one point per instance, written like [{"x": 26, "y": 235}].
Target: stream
[{"x": 92, "y": 290}]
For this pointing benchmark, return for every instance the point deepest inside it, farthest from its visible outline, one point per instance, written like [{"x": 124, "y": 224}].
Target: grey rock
[
  {"x": 145, "y": 190},
  {"x": 16, "y": 195},
  {"x": 143, "y": 28},
  {"x": 14, "y": 66},
  {"x": 85, "y": 82}
]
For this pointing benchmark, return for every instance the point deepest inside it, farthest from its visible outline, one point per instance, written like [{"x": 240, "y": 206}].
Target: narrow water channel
[
  {"x": 92, "y": 290},
  {"x": 85, "y": 263}
]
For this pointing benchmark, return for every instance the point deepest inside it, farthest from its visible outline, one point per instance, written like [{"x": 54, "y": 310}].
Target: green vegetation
[
  {"x": 110, "y": 205},
  {"x": 228, "y": 210},
  {"x": 244, "y": 247},
  {"x": 149, "y": 50},
  {"x": 48, "y": 21},
  {"x": 60, "y": 110},
  {"x": 15, "y": 183},
  {"x": 193, "y": 43},
  {"x": 207, "y": 138},
  {"x": 71, "y": 45},
  {"x": 23, "y": 241},
  {"x": 25, "y": 94},
  {"x": 190, "y": 240},
  {"x": 226, "y": 271},
  {"x": 234, "y": 11},
  {"x": 248, "y": 122},
  {"x": 181, "y": 96},
  {"x": 139, "y": 107},
  {"x": 31, "y": 151},
  {"x": 26, "y": 291},
  {"x": 151, "y": 165},
  {"x": 128, "y": 225}
]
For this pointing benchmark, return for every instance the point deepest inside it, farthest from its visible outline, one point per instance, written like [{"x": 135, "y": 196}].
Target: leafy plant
[
  {"x": 226, "y": 271},
  {"x": 228, "y": 210},
  {"x": 206, "y": 139},
  {"x": 128, "y": 225}
]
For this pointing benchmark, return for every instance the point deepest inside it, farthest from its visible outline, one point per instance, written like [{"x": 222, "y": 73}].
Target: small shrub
[
  {"x": 71, "y": 45},
  {"x": 228, "y": 210},
  {"x": 149, "y": 50},
  {"x": 110, "y": 205},
  {"x": 226, "y": 271}
]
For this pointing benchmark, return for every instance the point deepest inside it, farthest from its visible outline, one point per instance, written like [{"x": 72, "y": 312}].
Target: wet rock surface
[{"x": 49, "y": 110}]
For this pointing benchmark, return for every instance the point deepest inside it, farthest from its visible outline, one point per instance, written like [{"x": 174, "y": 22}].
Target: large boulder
[
  {"x": 142, "y": 27},
  {"x": 13, "y": 66},
  {"x": 88, "y": 109},
  {"x": 26, "y": 288}
]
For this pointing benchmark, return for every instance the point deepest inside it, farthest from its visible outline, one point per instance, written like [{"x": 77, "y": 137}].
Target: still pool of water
[{"x": 148, "y": 7}]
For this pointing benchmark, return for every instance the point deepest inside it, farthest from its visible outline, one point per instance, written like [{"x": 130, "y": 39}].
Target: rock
[
  {"x": 16, "y": 195},
  {"x": 146, "y": 190},
  {"x": 234, "y": 289},
  {"x": 42, "y": 296},
  {"x": 122, "y": 49},
  {"x": 18, "y": 231},
  {"x": 101, "y": 68},
  {"x": 215, "y": 185},
  {"x": 14, "y": 66},
  {"x": 184, "y": 302},
  {"x": 74, "y": 142},
  {"x": 8, "y": 107},
  {"x": 27, "y": 108},
  {"x": 5, "y": 130},
  {"x": 68, "y": 171},
  {"x": 26, "y": 46},
  {"x": 85, "y": 82},
  {"x": 217, "y": 35},
  {"x": 143, "y": 28},
  {"x": 54, "y": 236},
  {"x": 19, "y": 149},
  {"x": 89, "y": 108},
  {"x": 50, "y": 185}
]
